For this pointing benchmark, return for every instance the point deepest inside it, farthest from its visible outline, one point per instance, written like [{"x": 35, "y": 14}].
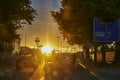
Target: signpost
[
  {"x": 106, "y": 32},
  {"x": 37, "y": 40}
]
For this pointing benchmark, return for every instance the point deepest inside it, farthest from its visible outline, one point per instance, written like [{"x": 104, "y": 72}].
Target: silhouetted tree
[
  {"x": 75, "y": 18},
  {"x": 13, "y": 15}
]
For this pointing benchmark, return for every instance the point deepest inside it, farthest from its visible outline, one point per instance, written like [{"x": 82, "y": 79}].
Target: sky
[{"x": 43, "y": 25}]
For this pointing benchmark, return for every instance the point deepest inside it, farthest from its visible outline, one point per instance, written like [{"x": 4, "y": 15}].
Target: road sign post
[{"x": 105, "y": 32}]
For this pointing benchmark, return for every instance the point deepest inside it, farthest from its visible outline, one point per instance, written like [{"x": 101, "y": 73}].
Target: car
[{"x": 26, "y": 61}]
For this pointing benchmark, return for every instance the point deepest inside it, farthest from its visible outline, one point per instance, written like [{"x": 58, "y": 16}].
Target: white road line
[
  {"x": 91, "y": 72},
  {"x": 83, "y": 66},
  {"x": 43, "y": 78}
]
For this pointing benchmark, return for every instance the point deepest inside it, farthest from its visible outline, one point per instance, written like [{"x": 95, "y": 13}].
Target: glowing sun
[{"x": 47, "y": 49}]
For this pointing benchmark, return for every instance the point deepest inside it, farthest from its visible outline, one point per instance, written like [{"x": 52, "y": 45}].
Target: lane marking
[
  {"x": 91, "y": 72},
  {"x": 42, "y": 78},
  {"x": 83, "y": 65}
]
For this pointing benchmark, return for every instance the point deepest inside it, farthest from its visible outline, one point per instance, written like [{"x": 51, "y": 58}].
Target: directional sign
[{"x": 106, "y": 32}]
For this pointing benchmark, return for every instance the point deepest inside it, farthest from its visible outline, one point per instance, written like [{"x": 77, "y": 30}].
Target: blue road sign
[{"x": 106, "y": 32}]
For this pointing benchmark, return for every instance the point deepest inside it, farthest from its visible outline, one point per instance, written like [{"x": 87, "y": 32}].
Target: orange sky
[{"x": 43, "y": 26}]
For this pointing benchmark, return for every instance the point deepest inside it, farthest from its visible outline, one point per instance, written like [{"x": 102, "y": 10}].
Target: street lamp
[
  {"x": 58, "y": 42},
  {"x": 26, "y": 40}
]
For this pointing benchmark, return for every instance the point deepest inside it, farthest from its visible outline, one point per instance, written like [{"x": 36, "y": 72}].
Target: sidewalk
[{"x": 103, "y": 73}]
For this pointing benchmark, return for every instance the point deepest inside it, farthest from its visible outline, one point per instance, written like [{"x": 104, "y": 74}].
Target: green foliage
[
  {"x": 106, "y": 10},
  {"x": 16, "y": 11},
  {"x": 76, "y": 17},
  {"x": 13, "y": 15}
]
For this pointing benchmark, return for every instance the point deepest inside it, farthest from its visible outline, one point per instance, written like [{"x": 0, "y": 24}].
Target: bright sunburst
[{"x": 47, "y": 49}]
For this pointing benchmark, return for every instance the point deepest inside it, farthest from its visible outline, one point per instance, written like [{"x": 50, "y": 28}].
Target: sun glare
[{"x": 47, "y": 49}]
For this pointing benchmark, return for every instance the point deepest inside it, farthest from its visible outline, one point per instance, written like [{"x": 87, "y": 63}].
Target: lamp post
[
  {"x": 58, "y": 43},
  {"x": 26, "y": 40},
  {"x": 60, "y": 46}
]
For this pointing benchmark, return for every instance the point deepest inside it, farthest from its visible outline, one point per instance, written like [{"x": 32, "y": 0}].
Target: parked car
[{"x": 26, "y": 61}]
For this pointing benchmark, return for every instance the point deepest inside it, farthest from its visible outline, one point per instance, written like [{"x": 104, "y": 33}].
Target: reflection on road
[
  {"x": 65, "y": 71},
  {"x": 39, "y": 73},
  {"x": 53, "y": 70}
]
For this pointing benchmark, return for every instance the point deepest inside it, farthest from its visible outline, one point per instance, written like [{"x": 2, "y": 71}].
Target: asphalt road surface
[
  {"x": 58, "y": 70},
  {"x": 65, "y": 71}
]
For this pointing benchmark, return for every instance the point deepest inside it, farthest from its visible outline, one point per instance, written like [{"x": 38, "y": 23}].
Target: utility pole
[
  {"x": 58, "y": 43},
  {"x": 61, "y": 46},
  {"x": 26, "y": 40}
]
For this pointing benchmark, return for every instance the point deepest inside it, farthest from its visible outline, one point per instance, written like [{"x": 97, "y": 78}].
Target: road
[
  {"x": 58, "y": 70},
  {"x": 64, "y": 71}
]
